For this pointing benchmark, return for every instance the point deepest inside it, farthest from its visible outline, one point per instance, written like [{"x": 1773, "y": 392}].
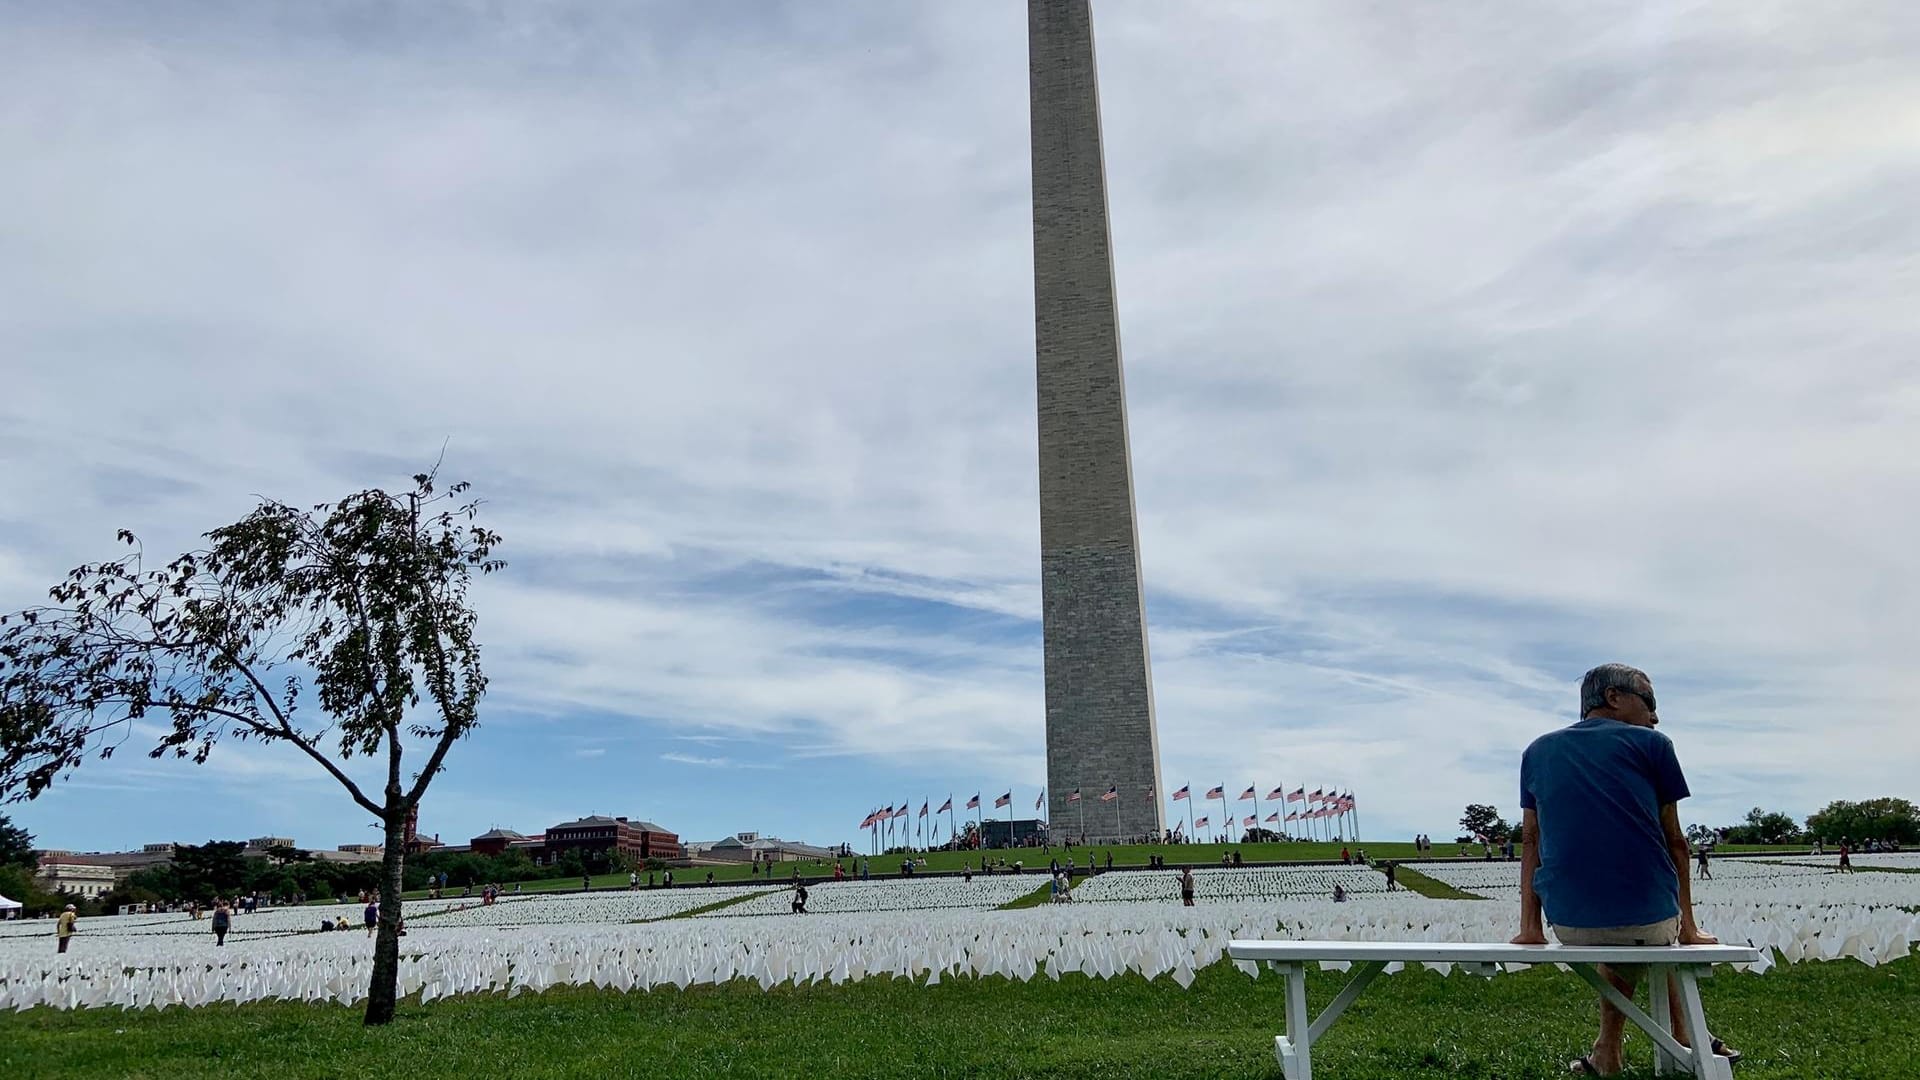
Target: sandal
[{"x": 1721, "y": 1049}]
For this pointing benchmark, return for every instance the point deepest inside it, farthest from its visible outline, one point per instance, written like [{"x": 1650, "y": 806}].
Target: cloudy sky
[{"x": 1467, "y": 346}]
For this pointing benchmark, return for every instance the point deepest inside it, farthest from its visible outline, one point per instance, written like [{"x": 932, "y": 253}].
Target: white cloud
[
  {"x": 1466, "y": 347},
  {"x": 708, "y": 762}
]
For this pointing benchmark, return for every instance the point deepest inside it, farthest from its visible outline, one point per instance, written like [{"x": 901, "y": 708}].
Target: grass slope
[
  {"x": 1408, "y": 878},
  {"x": 1833, "y": 1021}
]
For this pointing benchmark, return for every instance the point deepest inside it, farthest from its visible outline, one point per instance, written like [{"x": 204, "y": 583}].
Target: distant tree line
[
  {"x": 202, "y": 872},
  {"x": 1888, "y": 820}
]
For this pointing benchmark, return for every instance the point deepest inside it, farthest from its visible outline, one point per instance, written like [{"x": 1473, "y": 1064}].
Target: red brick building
[{"x": 635, "y": 841}]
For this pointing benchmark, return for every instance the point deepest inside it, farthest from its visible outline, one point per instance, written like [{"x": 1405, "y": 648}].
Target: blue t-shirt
[{"x": 1597, "y": 787}]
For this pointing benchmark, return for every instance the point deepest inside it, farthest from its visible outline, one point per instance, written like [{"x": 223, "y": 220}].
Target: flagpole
[
  {"x": 952, "y": 832},
  {"x": 1189, "y": 801},
  {"x": 1116, "y": 817},
  {"x": 1256, "y": 806},
  {"x": 1354, "y": 805},
  {"x": 1009, "y": 817},
  {"x": 1224, "y": 816},
  {"x": 1082, "y": 803}
]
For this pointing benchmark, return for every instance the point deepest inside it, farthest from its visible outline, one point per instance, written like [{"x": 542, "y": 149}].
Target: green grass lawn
[{"x": 1832, "y": 1021}]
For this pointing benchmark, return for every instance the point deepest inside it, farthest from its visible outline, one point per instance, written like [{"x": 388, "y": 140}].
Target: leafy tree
[
  {"x": 356, "y": 610},
  {"x": 1483, "y": 820},
  {"x": 1890, "y": 819},
  {"x": 16, "y": 883},
  {"x": 16, "y": 845},
  {"x": 282, "y": 854},
  {"x": 1762, "y": 827},
  {"x": 215, "y": 868}
]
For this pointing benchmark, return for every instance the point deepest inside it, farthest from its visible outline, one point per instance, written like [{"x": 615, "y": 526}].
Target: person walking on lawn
[
  {"x": 1604, "y": 859},
  {"x": 222, "y": 921},
  {"x": 69, "y": 921}
]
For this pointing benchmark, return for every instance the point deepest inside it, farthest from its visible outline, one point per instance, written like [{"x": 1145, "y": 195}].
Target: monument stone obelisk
[{"x": 1100, "y": 728}]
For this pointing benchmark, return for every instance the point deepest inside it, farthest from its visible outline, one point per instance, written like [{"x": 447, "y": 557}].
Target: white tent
[{"x": 9, "y": 909}]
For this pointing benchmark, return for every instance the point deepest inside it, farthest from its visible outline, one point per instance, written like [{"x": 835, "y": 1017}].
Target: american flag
[
  {"x": 1149, "y": 792},
  {"x": 1042, "y": 797},
  {"x": 1182, "y": 793},
  {"x": 1293, "y": 815},
  {"x": 1275, "y": 816},
  {"x": 923, "y": 809},
  {"x": 871, "y": 818},
  {"x": 1201, "y": 824},
  {"x": 1217, "y": 791},
  {"x": 945, "y": 806},
  {"x": 1274, "y": 794},
  {"x": 1247, "y": 794},
  {"x": 902, "y": 812},
  {"x": 1112, "y": 794},
  {"x": 1075, "y": 797},
  {"x": 1003, "y": 800},
  {"x": 974, "y": 803},
  {"x": 1297, "y": 794},
  {"x": 1250, "y": 822},
  {"x": 1317, "y": 795}
]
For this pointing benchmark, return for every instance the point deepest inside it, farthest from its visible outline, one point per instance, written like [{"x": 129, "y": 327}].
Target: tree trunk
[{"x": 383, "y": 991}]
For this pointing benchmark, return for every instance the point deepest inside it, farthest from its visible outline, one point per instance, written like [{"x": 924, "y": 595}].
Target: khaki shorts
[{"x": 1665, "y": 932}]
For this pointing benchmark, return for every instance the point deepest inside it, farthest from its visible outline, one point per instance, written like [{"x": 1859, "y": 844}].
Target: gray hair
[{"x": 1593, "y": 688}]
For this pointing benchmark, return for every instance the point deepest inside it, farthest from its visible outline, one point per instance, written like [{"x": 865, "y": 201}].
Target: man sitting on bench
[{"x": 1604, "y": 857}]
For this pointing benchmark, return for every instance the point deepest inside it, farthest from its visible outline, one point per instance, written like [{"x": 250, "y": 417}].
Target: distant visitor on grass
[{"x": 1605, "y": 860}]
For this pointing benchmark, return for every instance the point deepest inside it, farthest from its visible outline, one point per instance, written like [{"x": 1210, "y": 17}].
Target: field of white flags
[
  {"x": 1880, "y": 860},
  {"x": 925, "y": 929},
  {"x": 983, "y": 893},
  {"x": 1245, "y": 883}
]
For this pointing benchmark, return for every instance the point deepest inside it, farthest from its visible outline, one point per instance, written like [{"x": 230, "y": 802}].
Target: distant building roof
[
  {"x": 602, "y": 821},
  {"x": 585, "y": 822},
  {"x": 500, "y": 834}
]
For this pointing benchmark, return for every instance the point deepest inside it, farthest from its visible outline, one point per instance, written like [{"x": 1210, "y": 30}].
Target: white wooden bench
[{"x": 1687, "y": 963}]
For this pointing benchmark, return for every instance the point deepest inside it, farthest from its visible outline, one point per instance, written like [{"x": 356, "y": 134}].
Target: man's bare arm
[
  {"x": 1533, "y": 929},
  {"x": 1680, "y": 852}
]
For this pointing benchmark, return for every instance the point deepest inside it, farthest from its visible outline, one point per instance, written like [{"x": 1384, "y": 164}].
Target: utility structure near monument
[{"x": 1100, "y": 724}]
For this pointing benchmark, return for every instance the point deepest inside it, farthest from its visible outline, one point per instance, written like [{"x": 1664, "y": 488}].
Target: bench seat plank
[{"x": 1465, "y": 952}]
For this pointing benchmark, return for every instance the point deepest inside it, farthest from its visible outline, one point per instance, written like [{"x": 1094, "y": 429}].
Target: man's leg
[{"x": 1606, "y": 1049}]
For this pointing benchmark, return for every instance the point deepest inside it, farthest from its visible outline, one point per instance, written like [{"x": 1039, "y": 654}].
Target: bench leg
[
  {"x": 1706, "y": 1064},
  {"x": 1295, "y": 1048},
  {"x": 1664, "y": 1064}
]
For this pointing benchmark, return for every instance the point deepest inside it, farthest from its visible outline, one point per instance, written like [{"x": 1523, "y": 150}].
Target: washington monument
[{"x": 1100, "y": 729}]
